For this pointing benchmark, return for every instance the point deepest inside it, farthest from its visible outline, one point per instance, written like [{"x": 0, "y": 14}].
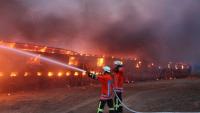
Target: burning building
[{"x": 26, "y": 72}]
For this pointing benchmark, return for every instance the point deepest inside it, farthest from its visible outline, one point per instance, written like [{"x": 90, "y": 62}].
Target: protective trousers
[
  {"x": 118, "y": 105},
  {"x": 102, "y": 104}
]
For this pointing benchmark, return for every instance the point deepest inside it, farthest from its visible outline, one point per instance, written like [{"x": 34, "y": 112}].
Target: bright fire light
[
  {"x": 76, "y": 73},
  {"x": 39, "y": 73},
  {"x": 68, "y": 73},
  {"x": 26, "y": 74},
  {"x": 100, "y": 62},
  {"x": 182, "y": 67},
  {"x": 72, "y": 61},
  {"x": 83, "y": 73},
  {"x": 11, "y": 45},
  {"x": 1, "y": 74},
  {"x": 43, "y": 49},
  {"x": 137, "y": 66},
  {"x": 60, "y": 74},
  {"x": 50, "y": 74},
  {"x": 13, "y": 74}
]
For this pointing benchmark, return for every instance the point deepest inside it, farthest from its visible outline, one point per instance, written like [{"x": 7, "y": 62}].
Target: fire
[
  {"x": 12, "y": 45},
  {"x": 182, "y": 67},
  {"x": 1, "y": 74},
  {"x": 100, "y": 62},
  {"x": 76, "y": 73},
  {"x": 50, "y": 74},
  {"x": 43, "y": 49},
  {"x": 60, "y": 74},
  {"x": 26, "y": 74},
  {"x": 72, "y": 61},
  {"x": 39, "y": 73},
  {"x": 84, "y": 73},
  {"x": 13, "y": 74},
  {"x": 68, "y": 73},
  {"x": 137, "y": 66}
]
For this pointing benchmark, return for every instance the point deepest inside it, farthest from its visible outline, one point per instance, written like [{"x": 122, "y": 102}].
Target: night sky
[{"x": 160, "y": 30}]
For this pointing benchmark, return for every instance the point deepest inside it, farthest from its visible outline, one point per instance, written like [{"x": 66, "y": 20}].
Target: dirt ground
[{"x": 181, "y": 95}]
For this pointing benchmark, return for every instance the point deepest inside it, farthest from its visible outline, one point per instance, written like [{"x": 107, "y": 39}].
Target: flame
[
  {"x": 50, "y": 74},
  {"x": 26, "y": 74},
  {"x": 13, "y": 74},
  {"x": 73, "y": 61},
  {"x": 43, "y": 49},
  {"x": 11, "y": 45},
  {"x": 76, "y": 73},
  {"x": 83, "y": 73},
  {"x": 1, "y": 74},
  {"x": 39, "y": 73},
  {"x": 68, "y": 73},
  {"x": 100, "y": 62},
  {"x": 137, "y": 66},
  {"x": 182, "y": 67},
  {"x": 60, "y": 74}
]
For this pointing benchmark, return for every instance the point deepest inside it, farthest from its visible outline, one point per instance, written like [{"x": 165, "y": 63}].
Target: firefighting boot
[{"x": 101, "y": 106}]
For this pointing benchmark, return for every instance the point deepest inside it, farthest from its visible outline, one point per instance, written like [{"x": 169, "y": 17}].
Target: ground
[{"x": 155, "y": 96}]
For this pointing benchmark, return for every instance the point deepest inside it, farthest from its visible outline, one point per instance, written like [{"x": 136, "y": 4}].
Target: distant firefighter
[
  {"x": 118, "y": 85},
  {"x": 106, "y": 89}
]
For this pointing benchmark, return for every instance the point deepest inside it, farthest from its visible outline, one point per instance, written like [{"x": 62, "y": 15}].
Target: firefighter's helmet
[
  {"x": 107, "y": 69},
  {"x": 119, "y": 63}
]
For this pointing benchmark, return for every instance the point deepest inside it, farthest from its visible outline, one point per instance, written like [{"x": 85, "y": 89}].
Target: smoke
[{"x": 159, "y": 30}]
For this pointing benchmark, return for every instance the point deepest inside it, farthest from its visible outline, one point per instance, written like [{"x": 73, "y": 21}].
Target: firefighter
[
  {"x": 118, "y": 85},
  {"x": 106, "y": 89}
]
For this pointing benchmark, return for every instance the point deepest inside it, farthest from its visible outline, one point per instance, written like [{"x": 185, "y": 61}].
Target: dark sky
[{"x": 161, "y": 30}]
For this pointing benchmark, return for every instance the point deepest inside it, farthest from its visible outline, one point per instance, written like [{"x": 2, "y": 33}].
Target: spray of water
[{"x": 41, "y": 57}]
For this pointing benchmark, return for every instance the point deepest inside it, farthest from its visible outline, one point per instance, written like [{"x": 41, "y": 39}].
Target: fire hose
[{"x": 124, "y": 105}]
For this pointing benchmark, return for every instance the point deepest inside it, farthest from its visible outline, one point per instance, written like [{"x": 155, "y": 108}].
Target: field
[{"x": 181, "y": 95}]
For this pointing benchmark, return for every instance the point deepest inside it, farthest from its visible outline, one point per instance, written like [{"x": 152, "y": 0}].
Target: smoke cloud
[{"x": 159, "y": 30}]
